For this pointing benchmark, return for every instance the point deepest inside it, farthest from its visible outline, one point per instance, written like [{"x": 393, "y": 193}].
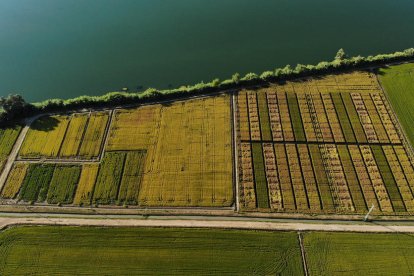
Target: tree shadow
[{"x": 45, "y": 123}]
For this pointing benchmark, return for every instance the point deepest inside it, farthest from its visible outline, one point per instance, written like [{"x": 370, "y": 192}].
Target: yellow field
[
  {"x": 94, "y": 134},
  {"x": 134, "y": 129},
  {"x": 14, "y": 180},
  {"x": 45, "y": 137},
  {"x": 86, "y": 184},
  {"x": 189, "y": 158},
  {"x": 73, "y": 136}
]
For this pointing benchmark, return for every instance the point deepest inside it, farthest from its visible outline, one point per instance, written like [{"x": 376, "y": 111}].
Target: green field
[
  {"x": 359, "y": 254},
  {"x": 36, "y": 182},
  {"x": 109, "y": 178},
  {"x": 63, "y": 184},
  {"x": 51, "y": 250},
  {"x": 398, "y": 82}
]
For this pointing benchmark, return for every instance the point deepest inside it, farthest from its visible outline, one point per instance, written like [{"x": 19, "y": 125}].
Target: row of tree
[{"x": 14, "y": 106}]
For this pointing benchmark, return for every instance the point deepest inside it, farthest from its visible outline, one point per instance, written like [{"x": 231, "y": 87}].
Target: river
[{"x": 67, "y": 48}]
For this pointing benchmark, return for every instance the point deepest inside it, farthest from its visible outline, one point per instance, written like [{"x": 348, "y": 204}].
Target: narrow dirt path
[
  {"x": 15, "y": 150},
  {"x": 207, "y": 223}
]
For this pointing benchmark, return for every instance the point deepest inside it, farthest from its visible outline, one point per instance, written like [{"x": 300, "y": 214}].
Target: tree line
[{"x": 14, "y": 107}]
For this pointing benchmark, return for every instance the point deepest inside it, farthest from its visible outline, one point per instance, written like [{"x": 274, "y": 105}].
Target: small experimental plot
[
  {"x": 8, "y": 137},
  {"x": 359, "y": 253},
  {"x": 328, "y": 146},
  {"x": 45, "y": 183},
  {"x": 186, "y": 149},
  {"x": 75, "y": 136},
  {"x": 145, "y": 251}
]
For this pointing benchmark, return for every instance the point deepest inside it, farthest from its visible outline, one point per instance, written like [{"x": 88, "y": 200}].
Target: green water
[{"x": 66, "y": 48}]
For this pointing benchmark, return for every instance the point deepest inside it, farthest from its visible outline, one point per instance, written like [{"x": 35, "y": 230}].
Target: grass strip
[
  {"x": 388, "y": 179},
  {"x": 260, "y": 176},
  {"x": 296, "y": 117}
]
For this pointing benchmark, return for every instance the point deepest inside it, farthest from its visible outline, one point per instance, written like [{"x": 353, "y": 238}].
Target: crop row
[
  {"x": 78, "y": 135},
  {"x": 107, "y": 183},
  {"x": 247, "y": 189},
  {"x": 326, "y": 178},
  {"x": 272, "y": 114}
]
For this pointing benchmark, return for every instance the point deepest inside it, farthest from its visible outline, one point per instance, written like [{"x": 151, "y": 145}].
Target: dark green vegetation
[
  {"x": 63, "y": 184},
  {"x": 354, "y": 118},
  {"x": 36, "y": 182},
  {"x": 398, "y": 82},
  {"x": 321, "y": 178},
  {"x": 359, "y": 254},
  {"x": 140, "y": 251},
  {"x": 264, "y": 117},
  {"x": 109, "y": 178},
  {"x": 388, "y": 178},
  {"x": 343, "y": 118},
  {"x": 260, "y": 176},
  {"x": 131, "y": 178},
  {"x": 352, "y": 178},
  {"x": 295, "y": 117}
]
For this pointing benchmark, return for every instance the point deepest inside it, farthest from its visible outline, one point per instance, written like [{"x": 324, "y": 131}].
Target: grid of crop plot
[
  {"x": 115, "y": 180},
  {"x": 66, "y": 136},
  {"x": 329, "y": 145}
]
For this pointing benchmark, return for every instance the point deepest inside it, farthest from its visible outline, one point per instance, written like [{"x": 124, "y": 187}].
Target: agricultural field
[
  {"x": 184, "y": 251},
  {"x": 359, "y": 253},
  {"x": 398, "y": 82},
  {"x": 98, "y": 251},
  {"x": 334, "y": 147},
  {"x": 178, "y": 154},
  {"x": 65, "y": 137},
  {"x": 188, "y": 157},
  {"x": 8, "y": 137}
]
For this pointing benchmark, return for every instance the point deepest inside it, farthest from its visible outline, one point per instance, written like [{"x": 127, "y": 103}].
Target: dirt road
[
  {"x": 15, "y": 150},
  {"x": 207, "y": 223}
]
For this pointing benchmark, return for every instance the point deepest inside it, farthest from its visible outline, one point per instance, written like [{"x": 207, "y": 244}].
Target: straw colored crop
[
  {"x": 86, "y": 184},
  {"x": 45, "y": 137},
  {"x": 94, "y": 135},
  {"x": 74, "y": 135},
  {"x": 14, "y": 180},
  {"x": 190, "y": 162}
]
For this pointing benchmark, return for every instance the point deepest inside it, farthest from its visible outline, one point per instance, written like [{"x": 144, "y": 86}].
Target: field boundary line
[
  {"x": 15, "y": 150},
  {"x": 302, "y": 251},
  {"x": 206, "y": 223},
  {"x": 106, "y": 135},
  {"x": 234, "y": 110}
]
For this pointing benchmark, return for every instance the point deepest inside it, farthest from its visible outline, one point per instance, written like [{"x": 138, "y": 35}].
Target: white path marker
[{"x": 369, "y": 212}]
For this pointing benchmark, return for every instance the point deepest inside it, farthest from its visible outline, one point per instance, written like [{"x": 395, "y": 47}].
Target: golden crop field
[
  {"x": 188, "y": 151},
  {"x": 66, "y": 136},
  {"x": 14, "y": 180},
  {"x": 135, "y": 129},
  {"x": 45, "y": 137},
  {"x": 74, "y": 135},
  {"x": 86, "y": 184},
  {"x": 94, "y": 135}
]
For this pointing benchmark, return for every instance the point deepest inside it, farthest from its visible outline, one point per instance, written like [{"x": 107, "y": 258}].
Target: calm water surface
[{"x": 66, "y": 48}]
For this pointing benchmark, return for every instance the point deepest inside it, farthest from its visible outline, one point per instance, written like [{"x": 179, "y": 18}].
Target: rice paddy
[
  {"x": 330, "y": 145},
  {"x": 331, "y": 148},
  {"x": 144, "y": 251}
]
